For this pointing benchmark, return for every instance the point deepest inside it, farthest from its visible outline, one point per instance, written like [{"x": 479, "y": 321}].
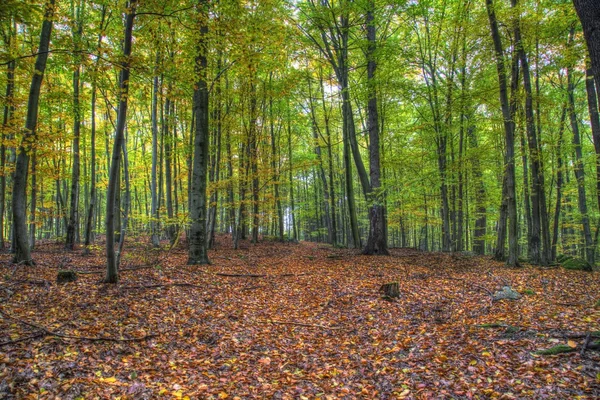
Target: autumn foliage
[{"x": 291, "y": 320}]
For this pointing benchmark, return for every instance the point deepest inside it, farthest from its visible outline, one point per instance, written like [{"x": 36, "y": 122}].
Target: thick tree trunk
[
  {"x": 198, "y": 253},
  {"x": 595, "y": 123},
  {"x": 377, "y": 239},
  {"x": 589, "y": 15},
  {"x": 19, "y": 200},
  {"x": 112, "y": 274}
]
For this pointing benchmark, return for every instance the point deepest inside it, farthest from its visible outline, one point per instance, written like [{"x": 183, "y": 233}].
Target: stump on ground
[
  {"x": 65, "y": 276},
  {"x": 391, "y": 290}
]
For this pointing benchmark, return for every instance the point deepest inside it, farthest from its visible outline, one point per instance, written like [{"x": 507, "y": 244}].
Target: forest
[{"x": 299, "y": 199}]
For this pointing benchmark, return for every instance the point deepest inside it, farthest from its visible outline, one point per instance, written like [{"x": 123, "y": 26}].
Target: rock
[
  {"x": 576, "y": 264},
  {"x": 506, "y": 293},
  {"x": 65, "y": 276}
]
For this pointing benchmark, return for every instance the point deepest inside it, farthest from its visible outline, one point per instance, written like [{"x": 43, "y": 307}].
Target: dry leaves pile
[{"x": 294, "y": 321}]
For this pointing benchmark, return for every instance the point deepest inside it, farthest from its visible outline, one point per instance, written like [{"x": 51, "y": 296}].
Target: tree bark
[
  {"x": 509, "y": 193},
  {"x": 19, "y": 200},
  {"x": 579, "y": 171},
  {"x": 74, "y": 203},
  {"x": 197, "y": 252},
  {"x": 589, "y": 15},
  {"x": 112, "y": 274},
  {"x": 377, "y": 239}
]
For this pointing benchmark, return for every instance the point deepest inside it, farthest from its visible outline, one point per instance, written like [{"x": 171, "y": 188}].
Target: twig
[
  {"x": 241, "y": 275},
  {"x": 159, "y": 285},
  {"x": 23, "y": 339},
  {"x": 585, "y": 344},
  {"x": 47, "y": 332},
  {"x": 271, "y": 321}
]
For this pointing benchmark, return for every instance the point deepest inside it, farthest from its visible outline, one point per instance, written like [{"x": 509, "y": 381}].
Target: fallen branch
[
  {"x": 160, "y": 285},
  {"x": 271, "y": 321},
  {"x": 23, "y": 339},
  {"x": 47, "y": 332},
  {"x": 241, "y": 275}
]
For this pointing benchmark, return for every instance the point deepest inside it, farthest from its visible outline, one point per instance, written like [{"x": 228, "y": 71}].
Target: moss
[
  {"x": 561, "y": 348},
  {"x": 492, "y": 325},
  {"x": 597, "y": 304},
  {"x": 562, "y": 258},
  {"x": 577, "y": 264},
  {"x": 529, "y": 292}
]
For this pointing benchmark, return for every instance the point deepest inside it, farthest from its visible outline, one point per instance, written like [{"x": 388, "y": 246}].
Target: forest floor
[{"x": 306, "y": 321}]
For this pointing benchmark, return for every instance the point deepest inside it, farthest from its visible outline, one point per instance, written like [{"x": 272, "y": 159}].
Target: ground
[{"x": 287, "y": 320}]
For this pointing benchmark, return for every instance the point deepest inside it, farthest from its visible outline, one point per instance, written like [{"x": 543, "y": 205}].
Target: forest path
[{"x": 283, "y": 320}]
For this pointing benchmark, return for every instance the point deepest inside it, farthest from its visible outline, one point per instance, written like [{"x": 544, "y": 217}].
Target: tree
[
  {"x": 113, "y": 257},
  {"x": 508, "y": 191},
  {"x": 377, "y": 240},
  {"x": 197, "y": 253},
  {"x": 19, "y": 201}
]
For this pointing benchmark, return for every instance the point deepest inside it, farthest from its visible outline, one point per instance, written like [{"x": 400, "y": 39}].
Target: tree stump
[
  {"x": 391, "y": 290},
  {"x": 65, "y": 276}
]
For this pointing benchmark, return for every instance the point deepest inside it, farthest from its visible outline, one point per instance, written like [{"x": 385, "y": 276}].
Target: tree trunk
[
  {"x": 539, "y": 236},
  {"x": 377, "y": 239},
  {"x": 112, "y": 274},
  {"x": 155, "y": 226},
  {"x": 19, "y": 200},
  {"x": 579, "y": 171},
  {"x": 589, "y": 15},
  {"x": 198, "y": 253},
  {"x": 559, "y": 181},
  {"x": 595, "y": 123},
  {"x": 509, "y": 193},
  {"x": 74, "y": 203}
]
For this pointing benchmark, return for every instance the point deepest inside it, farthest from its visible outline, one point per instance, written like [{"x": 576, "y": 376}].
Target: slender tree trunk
[
  {"x": 153, "y": 182},
  {"x": 559, "y": 181},
  {"x": 291, "y": 176},
  {"x": 19, "y": 201},
  {"x": 275, "y": 164},
  {"x": 579, "y": 171},
  {"x": 74, "y": 204},
  {"x": 112, "y": 259},
  {"x": 315, "y": 134},
  {"x": 6, "y": 126},
  {"x": 509, "y": 192},
  {"x": 540, "y": 234},
  {"x": 198, "y": 253}
]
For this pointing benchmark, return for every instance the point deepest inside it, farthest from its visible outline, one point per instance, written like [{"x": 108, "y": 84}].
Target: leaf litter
[{"x": 284, "y": 320}]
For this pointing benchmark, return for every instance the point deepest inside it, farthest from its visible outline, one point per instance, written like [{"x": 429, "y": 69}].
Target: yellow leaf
[
  {"x": 112, "y": 379},
  {"x": 473, "y": 362},
  {"x": 571, "y": 343},
  {"x": 486, "y": 354},
  {"x": 223, "y": 395}
]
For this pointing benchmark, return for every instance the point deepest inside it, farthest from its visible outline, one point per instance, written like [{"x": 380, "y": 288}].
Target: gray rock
[{"x": 506, "y": 293}]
